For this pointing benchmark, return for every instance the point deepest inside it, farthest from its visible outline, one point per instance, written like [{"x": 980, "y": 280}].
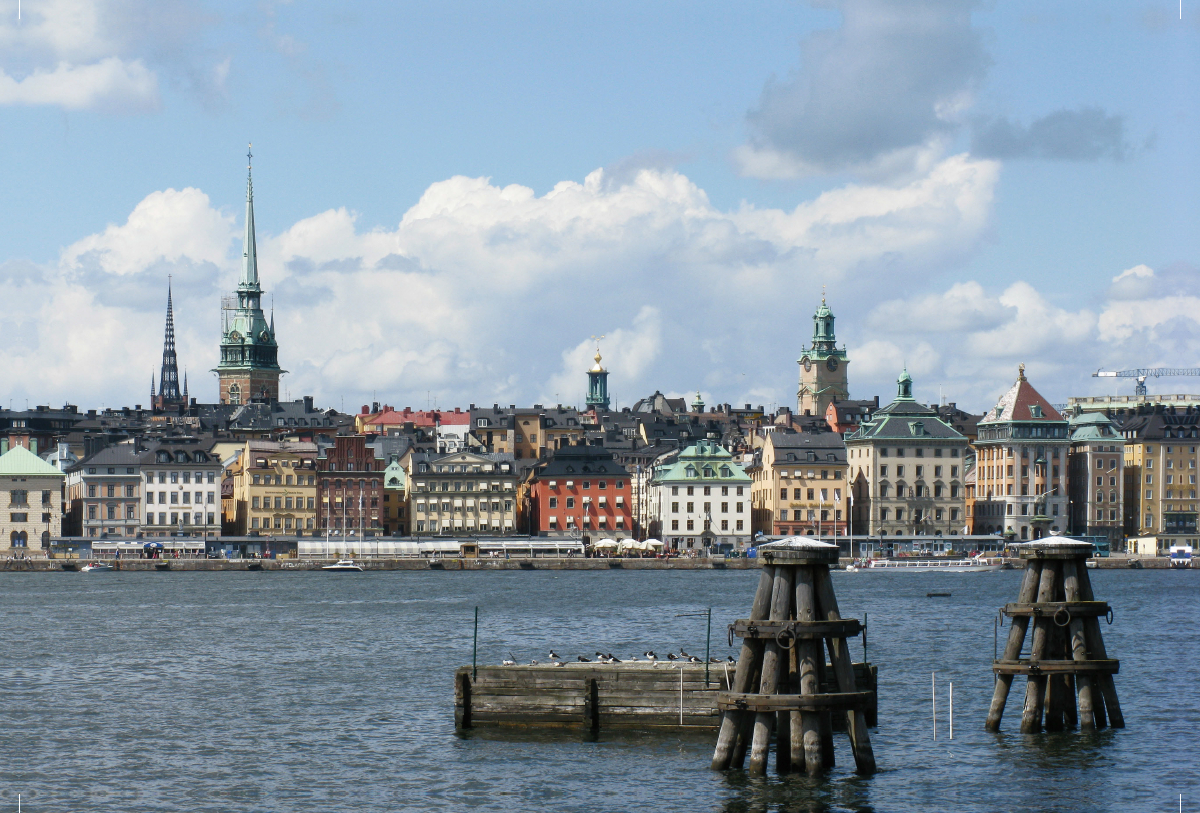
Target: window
[
  {"x": 554, "y": 502},
  {"x": 570, "y": 502}
]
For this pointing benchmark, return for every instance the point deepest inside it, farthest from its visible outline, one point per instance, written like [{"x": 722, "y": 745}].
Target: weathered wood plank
[{"x": 1012, "y": 647}]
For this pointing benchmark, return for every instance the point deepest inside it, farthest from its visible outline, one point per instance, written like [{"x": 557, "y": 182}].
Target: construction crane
[{"x": 1142, "y": 374}]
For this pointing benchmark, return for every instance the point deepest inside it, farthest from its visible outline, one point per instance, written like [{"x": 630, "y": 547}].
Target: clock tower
[
  {"x": 822, "y": 368},
  {"x": 249, "y": 367}
]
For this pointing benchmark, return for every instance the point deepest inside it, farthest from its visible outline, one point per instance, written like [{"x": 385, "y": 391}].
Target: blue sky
[{"x": 968, "y": 181}]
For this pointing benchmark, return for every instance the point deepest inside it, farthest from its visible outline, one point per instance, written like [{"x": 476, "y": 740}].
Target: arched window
[
  {"x": 18, "y": 539},
  {"x": 235, "y": 394}
]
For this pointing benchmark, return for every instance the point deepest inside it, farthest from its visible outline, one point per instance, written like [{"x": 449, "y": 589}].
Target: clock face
[
  {"x": 807, "y": 363},
  {"x": 831, "y": 364}
]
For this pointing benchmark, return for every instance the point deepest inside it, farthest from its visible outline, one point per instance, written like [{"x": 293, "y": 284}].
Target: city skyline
[{"x": 990, "y": 206}]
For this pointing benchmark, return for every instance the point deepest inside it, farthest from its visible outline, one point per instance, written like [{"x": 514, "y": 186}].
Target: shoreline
[{"x": 41, "y": 565}]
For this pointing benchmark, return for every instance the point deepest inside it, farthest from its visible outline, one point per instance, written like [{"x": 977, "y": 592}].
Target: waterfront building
[
  {"x": 31, "y": 503},
  {"x": 581, "y": 491},
  {"x": 169, "y": 394},
  {"x": 461, "y": 493},
  {"x": 798, "y": 484},
  {"x": 182, "y": 482},
  {"x": 395, "y": 498},
  {"x": 275, "y": 488},
  {"x": 37, "y": 429},
  {"x": 1097, "y": 478},
  {"x": 350, "y": 487},
  {"x": 1021, "y": 481},
  {"x": 104, "y": 492},
  {"x": 249, "y": 367},
  {"x": 1160, "y": 461},
  {"x": 906, "y": 470},
  {"x": 701, "y": 498},
  {"x": 822, "y": 368}
]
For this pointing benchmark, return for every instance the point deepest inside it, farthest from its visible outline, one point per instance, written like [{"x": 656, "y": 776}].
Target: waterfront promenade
[{"x": 288, "y": 565}]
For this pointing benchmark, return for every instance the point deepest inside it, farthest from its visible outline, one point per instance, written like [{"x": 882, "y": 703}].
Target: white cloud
[
  {"x": 111, "y": 84},
  {"x": 488, "y": 294}
]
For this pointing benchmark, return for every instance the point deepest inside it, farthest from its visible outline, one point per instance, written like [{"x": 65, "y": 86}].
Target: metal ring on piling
[
  {"x": 788, "y": 633},
  {"x": 1060, "y": 611},
  {"x": 1109, "y": 616}
]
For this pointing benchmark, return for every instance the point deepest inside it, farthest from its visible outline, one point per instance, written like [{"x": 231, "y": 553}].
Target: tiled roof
[{"x": 1022, "y": 403}]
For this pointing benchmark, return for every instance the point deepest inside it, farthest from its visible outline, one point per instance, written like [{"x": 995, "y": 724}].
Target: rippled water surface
[{"x": 323, "y": 692}]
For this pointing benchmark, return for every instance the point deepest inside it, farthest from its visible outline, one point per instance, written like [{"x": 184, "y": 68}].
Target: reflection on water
[{"x": 301, "y": 691}]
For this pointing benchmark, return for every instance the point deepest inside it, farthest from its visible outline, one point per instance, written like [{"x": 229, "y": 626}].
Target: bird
[
  {"x": 632, "y": 659},
  {"x": 612, "y": 659},
  {"x": 533, "y": 663},
  {"x": 650, "y": 655},
  {"x": 694, "y": 659},
  {"x": 714, "y": 660},
  {"x": 559, "y": 663},
  {"x": 584, "y": 660},
  {"x": 600, "y": 656},
  {"x": 671, "y": 656},
  {"x": 683, "y": 654},
  {"x": 731, "y": 659},
  {"x": 552, "y": 656},
  {"x": 509, "y": 661}
]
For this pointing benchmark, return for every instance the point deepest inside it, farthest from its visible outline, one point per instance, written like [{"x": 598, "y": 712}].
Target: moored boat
[
  {"x": 976, "y": 564},
  {"x": 97, "y": 567},
  {"x": 343, "y": 566}
]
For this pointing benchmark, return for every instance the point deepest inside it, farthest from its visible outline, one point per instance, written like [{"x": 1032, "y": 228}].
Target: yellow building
[
  {"x": 799, "y": 488},
  {"x": 1160, "y": 475},
  {"x": 275, "y": 488}
]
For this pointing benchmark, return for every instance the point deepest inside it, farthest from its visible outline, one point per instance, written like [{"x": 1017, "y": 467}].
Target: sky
[{"x": 452, "y": 198}]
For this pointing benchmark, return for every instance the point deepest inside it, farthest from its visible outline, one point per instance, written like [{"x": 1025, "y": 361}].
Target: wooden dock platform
[{"x": 669, "y": 696}]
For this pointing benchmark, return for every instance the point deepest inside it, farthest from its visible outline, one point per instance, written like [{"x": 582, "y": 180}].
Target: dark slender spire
[
  {"x": 168, "y": 382},
  {"x": 249, "y": 250}
]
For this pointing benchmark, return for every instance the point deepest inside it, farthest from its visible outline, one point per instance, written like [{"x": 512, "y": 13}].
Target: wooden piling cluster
[
  {"x": 777, "y": 685},
  {"x": 1069, "y": 671}
]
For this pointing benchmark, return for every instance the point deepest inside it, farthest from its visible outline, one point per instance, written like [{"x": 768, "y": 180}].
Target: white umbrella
[{"x": 606, "y": 544}]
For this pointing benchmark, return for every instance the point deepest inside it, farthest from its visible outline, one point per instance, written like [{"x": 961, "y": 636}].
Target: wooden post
[
  {"x": 1035, "y": 690},
  {"x": 1012, "y": 648},
  {"x": 1091, "y": 628},
  {"x": 856, "y": 722},
  {"x": 1078, "y": 645},
  {"x": 796, "y": 732},
  {"x": 808, "y": 652},
  {"x": 781, "y": 604},
  {"x": 731, "y": 721}
]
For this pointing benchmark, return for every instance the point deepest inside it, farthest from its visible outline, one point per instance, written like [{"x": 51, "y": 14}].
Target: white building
[{"x": 702, "y": 498}]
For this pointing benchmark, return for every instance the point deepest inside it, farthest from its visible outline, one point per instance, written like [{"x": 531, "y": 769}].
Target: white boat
[
  {"x": 978, "y": 564},
  {"x": 94, "y": 567},
  {"x": 343, "y": 566},
  {"x": 1181, "y": 556}
]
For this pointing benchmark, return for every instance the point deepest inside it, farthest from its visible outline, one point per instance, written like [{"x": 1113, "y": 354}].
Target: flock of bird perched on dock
[{"x": 606, "y": 658}]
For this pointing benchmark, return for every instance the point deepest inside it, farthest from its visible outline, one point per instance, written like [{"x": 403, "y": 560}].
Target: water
[{"x": 314, "y": 691}]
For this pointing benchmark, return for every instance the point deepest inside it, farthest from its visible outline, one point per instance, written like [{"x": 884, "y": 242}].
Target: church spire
[
  {"x": 168, "y": 382},
  {"x": 249, "y": 251}
]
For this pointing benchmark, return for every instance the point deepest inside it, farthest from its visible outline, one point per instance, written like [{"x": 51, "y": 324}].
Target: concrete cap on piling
[
  {"x": 798, "y": 549},
  {"x": 1055, "y": 549}
]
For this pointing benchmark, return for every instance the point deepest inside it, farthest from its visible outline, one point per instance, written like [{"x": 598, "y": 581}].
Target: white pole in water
[
  {"x": 952, "y": 709},
  {"x": 933, "y": 689},
  {"x": 681, "y": 670}
]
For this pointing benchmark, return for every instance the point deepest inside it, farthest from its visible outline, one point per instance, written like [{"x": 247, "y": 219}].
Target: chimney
[
  {"x": 308, "y": 404},
  {"x": 374, "y": 407}
]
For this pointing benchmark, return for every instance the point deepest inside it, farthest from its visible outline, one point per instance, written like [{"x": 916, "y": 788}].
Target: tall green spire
[{"x": 249, "y": 251}]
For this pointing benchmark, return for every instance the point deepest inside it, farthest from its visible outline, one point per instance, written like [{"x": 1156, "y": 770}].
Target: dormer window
[{"x": 1035, "y": 410}]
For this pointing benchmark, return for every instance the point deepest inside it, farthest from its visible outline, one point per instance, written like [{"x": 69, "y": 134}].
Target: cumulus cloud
[
  {"x": 106, "y": 54},
  {"x": 876, "y": 95},
  {"x": 483, "y": 291},
  {"x": 1086, "y": 134}
]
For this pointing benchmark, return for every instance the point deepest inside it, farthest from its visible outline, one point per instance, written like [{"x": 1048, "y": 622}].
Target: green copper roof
[
  {"x": 394, "y": 476},
  {"x": 249, "y": 250},
  {"x": 20, "y": 461},
  {"x": 705, "y": 461}
]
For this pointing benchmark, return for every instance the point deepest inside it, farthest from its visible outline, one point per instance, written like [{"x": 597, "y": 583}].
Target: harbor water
[{"x": 334, "y": 692}]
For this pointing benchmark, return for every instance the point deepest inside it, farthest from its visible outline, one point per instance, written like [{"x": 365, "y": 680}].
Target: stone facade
[
  {"x": 701, "y": 498},
  {"x": 31, "y": 503},
  {"x": 462, "y": 493},
  {"x": 799, "y": 486},
  {"x": 276, "y": 488},
  {"x": 1021, "y": 476},
  {"x": 1097, "y": 478},
  {"x": 907, "y": 470}
]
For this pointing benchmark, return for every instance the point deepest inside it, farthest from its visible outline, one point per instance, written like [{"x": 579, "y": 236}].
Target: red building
[
  {"x": 350, "y": 487},
  {"x": 581, "y": 491}
]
